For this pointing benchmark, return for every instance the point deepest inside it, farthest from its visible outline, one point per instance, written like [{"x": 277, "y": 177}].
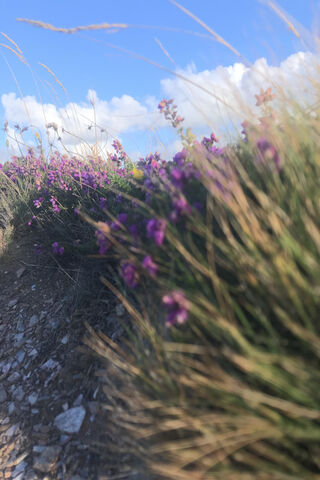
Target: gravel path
[{"x": 52, "y": 423}]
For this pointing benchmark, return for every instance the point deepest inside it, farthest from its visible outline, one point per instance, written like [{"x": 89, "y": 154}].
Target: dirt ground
[{"x": 52, "y": 421}]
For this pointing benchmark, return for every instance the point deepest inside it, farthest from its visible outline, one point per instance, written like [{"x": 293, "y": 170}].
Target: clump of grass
[{"x": 230, "y": 390}]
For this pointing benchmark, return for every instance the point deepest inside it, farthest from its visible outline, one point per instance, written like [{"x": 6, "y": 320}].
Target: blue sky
[{"x": 85, "y": 62}]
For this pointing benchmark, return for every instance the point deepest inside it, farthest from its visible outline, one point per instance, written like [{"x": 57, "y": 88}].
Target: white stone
[{"x": 71, "y": 420}]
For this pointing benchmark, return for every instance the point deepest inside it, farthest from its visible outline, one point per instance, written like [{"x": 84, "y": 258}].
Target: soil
[{"x": 52, "y": 421}]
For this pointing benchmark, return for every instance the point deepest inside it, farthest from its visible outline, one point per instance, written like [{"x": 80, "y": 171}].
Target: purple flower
[
  {"x": 149, "y": 265},
  {"x": 130, "y": 274},
  {"x": 178, "y": 308},
  {"x": 102, "y": 203},
  {"x": 61, "y": 250},
  {"x": 133, "y": 229},
  {"x": 55, "y": 248},
  {"x": 122, "y": 217},
  {"x": 177, "y": 177},
  {"x": 37, "y": 203},
  {"x": 102, "y": 242},
  {"x": 156, "y": 230},
  {"x": 268, "y": 152},
  {"x": 180, "y": 157},
  {"x": 54, "y": 204},
  {"x": 76, "y": 211},
  {"x": 38, "y": 248}
]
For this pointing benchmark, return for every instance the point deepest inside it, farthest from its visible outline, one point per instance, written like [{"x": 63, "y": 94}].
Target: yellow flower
[
  {"x": 137, "y": 174},
  {"x": 37, "y": 137}
]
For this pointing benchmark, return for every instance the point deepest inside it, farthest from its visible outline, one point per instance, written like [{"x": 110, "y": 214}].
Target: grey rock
[
  {"x": 31, "y": 475},
  {"x": 20, "y": 326},
  {"x": 20, "y": 356},
  {"x": 13, "y": 302},
  {"x": 120, "y": 310},
  {"x": 47, "y": 459},
  {"x": 19, "y": 476},
  {"x": 6, "y": 367},
  {"x": 11, "y": 408},
  {"x": 71, "y": 420},
  {"x": 20, "y": 272},
  {"x": 50, "y": 364},
  {"x": 19, "y": 339},
  {"x": 65, "y": 339},
  {"x": 20, "y": 468},
  {"x": 14, "y": 377},
  {"x": 38, "y": 448},
  {"x": 76, "y": 477},
  {"x": 18, "y": 393},
  {"x": 33, "y": 353},
  {"x": 33, "y": 321},
  {"x": 32, "y": 398},
  {"x": 12, "y": 430},
  {"x": 3, "y": 394}
]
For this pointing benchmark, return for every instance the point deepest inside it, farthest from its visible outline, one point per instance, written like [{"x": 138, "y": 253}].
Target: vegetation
[{"x": 217, "y": 254}]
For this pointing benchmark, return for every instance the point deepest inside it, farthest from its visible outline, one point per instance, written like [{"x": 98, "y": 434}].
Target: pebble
[
  {"x": 50, "y": 364},
  {"x": 12, "y": 430},
  {"x": 31, "y": 475},
  {"x": 18, "y": 393},
  {"x": 6, "y": 367},
  {"x": 71, "y": 420},
  {"x": 32, "y": 398},
  {"x": 47, "y": 459},
  {"x": 14, "y": 377},
  {"x": 33, "y": 320},
  {"x": 33, "y": 353},
  {"x": 11, "y": 408},
  {"x": 20, "y": 356},
  {"x": 13, "y": 302},
  {"x": 20, "y": 468},
  {"x": 20, "y": 272},
  {"x": 65, "y": 339},
  {"x": 120, "y": 310}
]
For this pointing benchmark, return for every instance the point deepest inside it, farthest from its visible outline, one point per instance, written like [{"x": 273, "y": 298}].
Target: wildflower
[
  {"x": 130, "y": 274},
  {"x": 267, "y": 152},
  {"x": 156, "y": 230},
  {"x": 137, "y": 174},
  {"x": 37, "y": 203},
  {"x": 38, "y": 248},
  {"x": 178, "y": 307},
  {"x": 264, "y": 97},
  {"x": 102, "y": 242},
  {"x": 149, "y": 265},
  {"x": 54, "y": 204},
  {"x": 180, "y": 157},
  {"x": 56, "y": 249},
  {"x": 102, "y": 203},
  {"x": 134, "y": 231}
]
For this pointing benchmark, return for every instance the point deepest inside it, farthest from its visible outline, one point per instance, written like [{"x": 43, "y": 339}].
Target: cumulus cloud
[
  {"x": 214, "y": 98},
  {"x": 230, "y": 91}
]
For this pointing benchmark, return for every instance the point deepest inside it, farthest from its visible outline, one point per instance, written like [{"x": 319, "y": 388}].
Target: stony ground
[{"x": 52, "y": 421}]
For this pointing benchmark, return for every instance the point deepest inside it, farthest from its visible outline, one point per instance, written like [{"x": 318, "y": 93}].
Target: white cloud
[
  {"x": 236, "y": 86},
  {"x": 230, "y": 101}
]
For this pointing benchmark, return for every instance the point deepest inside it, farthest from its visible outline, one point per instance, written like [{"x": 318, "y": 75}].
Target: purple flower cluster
[
  {"x": 268, "y": 152},
  {"x": 156, "y": 229},
  {"x": 178, "y": 308},
  {"x": 56, "y": 249},
  {"x": 130, "y": 274}
]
